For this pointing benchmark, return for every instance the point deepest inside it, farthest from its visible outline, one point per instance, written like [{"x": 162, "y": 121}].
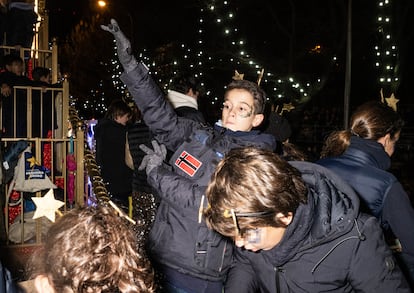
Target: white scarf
[{"x": 180, "y": 100}]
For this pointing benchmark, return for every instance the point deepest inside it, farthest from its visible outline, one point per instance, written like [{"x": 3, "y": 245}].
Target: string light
[{"x": 386, "y": 51}]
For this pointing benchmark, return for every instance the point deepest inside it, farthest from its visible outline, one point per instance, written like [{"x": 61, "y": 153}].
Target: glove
[
  {"x": 153, "y": 158},
  {"x": 123, "y": 46}
]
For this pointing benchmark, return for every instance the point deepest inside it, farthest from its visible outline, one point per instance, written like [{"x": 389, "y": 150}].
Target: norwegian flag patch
[{"x": 188, "y": 163}]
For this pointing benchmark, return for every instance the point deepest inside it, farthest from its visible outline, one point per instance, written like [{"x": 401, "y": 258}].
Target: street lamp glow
[{"x": 101, "y": 3}]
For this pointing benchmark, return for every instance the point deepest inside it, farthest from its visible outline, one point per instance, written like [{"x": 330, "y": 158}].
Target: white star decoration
[{"x": 47, "y": 206}]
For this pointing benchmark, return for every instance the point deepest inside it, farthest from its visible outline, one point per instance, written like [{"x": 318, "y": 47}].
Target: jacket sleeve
[
  {"x": 398, "y": 212},
  {"x": 181, "y": 193},
  {"x": 372, "y": 266},
  {"x": 241, "y": 276},
  {"x": 157, "y": 112}
]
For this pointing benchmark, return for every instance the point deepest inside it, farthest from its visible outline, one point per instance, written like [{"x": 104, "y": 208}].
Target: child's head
[
  {"x": 13, "y": 63},
  {"x": 243, "y": 107},
  {"x": 41, "y": 74},
  {"x": 253, "y": 195},
  {"x": 187, "y": 85},
  {"x": 119, "y": 111},
  {"x": 92, "y": 250},
  {"x": 372, "y": 120}
]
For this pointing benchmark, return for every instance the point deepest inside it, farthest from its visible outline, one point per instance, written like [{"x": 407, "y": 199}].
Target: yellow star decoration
[
  {"x": 33, "y": 162},
  {"x": 47, "y": 206},
  {"x": 237, "y": 75},
  {"x": 287, "y": 107},
  {"x": 392, "y": 102}
]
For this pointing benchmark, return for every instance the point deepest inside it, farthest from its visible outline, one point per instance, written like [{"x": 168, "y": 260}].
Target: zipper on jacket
[{"x": 277, "y": 277}]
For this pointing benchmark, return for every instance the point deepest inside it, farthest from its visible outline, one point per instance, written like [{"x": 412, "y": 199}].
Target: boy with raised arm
[{"x": 191, "y": 257}]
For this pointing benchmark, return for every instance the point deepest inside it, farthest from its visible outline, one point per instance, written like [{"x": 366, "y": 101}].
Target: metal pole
[{"x": 347, "y": 90}]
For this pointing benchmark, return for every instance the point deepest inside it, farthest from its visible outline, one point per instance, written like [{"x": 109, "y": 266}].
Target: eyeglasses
[
  {"x": 250, "y": 235},
  {"x": 243, "y": 110}
]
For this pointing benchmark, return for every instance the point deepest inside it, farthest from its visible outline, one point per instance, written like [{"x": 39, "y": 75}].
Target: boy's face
[
  {"x": 238, "y": 111},
  {"x": 263, "y": 238},
  {"x": 46, "y": 79},
  {"x": 16, "y": 68},
  {"x": 122, "y": 119}
]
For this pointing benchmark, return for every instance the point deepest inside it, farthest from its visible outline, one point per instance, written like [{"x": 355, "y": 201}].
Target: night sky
[{"x": 154, "y": 23}]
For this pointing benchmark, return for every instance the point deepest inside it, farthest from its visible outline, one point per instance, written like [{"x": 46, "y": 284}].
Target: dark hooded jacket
[
  {"x": 363, "y": 166},
  {"x": 180, "y": 238},
  {"x": 328, "y": 247}
]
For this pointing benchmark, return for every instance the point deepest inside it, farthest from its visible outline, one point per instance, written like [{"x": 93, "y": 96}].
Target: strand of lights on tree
[
  {"x": 386, "y": 51},
  {"x": 277, "y": 87},
  {"x": 224, "y": 19}
]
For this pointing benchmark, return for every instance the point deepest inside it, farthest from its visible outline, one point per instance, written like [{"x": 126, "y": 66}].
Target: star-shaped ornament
[
  {"x": 47, "y": 206},
  {"x": 287, "y": 107},
  {"x": 33, "y": 162},
  {"x": 237, "y": 75},
  {"x": 392, "y": 102}
]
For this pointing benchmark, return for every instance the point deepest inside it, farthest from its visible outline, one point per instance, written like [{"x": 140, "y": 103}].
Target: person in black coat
[
  {"x": 297, "y": 227},
  {"x": 144, "y": 202},
  {"x": 110, "y": 136},
  {"x": 21, "y": 19},
  {"x": 44, "y": 116},
  {"x": 14, "y": 101}
]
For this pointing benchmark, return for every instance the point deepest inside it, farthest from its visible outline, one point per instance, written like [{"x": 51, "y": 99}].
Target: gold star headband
[
  {"x": 391, "y": 101},
  {"x": 240, "y": 76}
]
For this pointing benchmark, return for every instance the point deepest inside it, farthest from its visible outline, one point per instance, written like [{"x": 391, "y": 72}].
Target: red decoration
[
  {"x": 30, "y": 68},
  {"x": 71, "y": 166},
  {"x": 60, "y": 182},
  {"x": 47, "y": 156}
]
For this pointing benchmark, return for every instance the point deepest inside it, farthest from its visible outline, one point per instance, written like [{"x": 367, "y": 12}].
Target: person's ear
[
  {"x": 42, "y": 284},
  {"x": 385, "y": 140},
  {"x": 258, "y": 119},
  {"x": 285, "y": 219}
]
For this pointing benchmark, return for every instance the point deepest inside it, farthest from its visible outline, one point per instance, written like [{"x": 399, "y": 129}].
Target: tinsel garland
[{"x": 143, "y": 204}]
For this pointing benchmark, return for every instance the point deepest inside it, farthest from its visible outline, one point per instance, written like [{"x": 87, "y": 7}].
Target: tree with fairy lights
[{"x": 299, "y": 44}]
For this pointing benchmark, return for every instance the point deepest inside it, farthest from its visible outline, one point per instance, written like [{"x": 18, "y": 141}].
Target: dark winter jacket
[
  {"x": 328, "y": 247},
  {"x": 14, "y": 110},
  {"x": 21, "y": 19},
  {"x": 179, "y": 238},
  {"x": 110, "y": 155},
  {"x": 7, "y": 284},
  {"x": 363, "y": 165},
  {"x": 138, "y": 133}
]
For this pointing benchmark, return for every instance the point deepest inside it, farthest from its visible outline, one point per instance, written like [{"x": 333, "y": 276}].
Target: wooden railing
[{"x": 50, "y": 149}]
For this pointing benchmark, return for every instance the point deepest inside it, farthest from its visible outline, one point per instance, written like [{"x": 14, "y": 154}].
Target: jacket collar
[{"x": 368, "y": 151}]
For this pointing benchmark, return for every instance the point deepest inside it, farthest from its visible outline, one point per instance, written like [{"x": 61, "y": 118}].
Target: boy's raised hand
[{"x": 123, "y": 46}]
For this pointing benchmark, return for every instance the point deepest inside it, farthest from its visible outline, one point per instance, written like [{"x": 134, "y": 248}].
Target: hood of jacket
[
  {"x": 178, "y": 99},
  {"x": 329, "y": 213}
]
